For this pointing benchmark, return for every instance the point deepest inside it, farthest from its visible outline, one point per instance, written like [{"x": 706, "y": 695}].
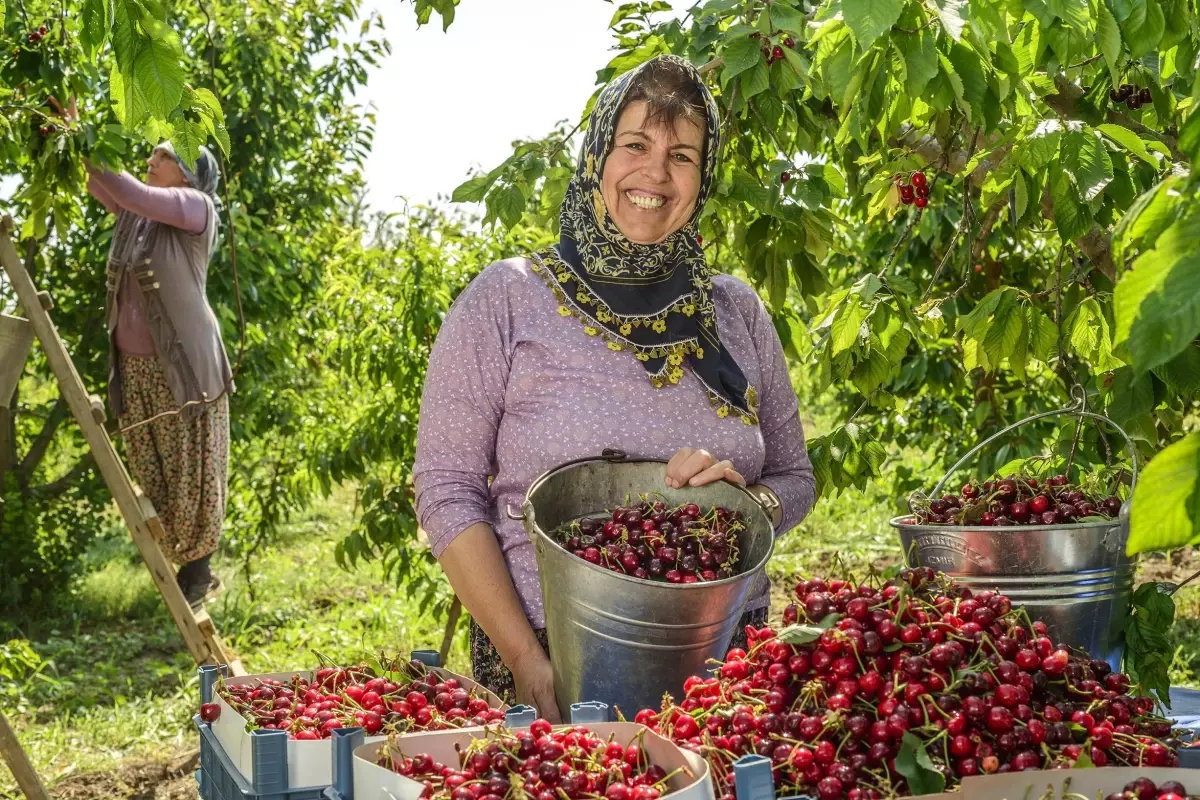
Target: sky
[{"x": 447, "y": 102}]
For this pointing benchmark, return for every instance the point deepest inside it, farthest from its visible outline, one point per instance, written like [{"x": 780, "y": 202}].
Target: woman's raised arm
[{"x": 180, "y": 208}]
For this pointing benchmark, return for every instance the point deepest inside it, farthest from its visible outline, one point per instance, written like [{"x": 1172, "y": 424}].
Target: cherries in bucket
[
  {"x": 1019, "y": 500},
  {"x": 653, "y": 541}
]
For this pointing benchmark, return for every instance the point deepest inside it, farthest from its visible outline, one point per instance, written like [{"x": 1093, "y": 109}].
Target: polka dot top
[{"x": 514, "y": 389}]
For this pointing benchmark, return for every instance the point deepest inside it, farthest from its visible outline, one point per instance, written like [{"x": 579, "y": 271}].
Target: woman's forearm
[{"x": 476, "y": 569}]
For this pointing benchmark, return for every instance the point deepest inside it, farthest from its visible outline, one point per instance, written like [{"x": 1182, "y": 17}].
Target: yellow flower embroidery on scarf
[
  {"x": 563, "y": 311},
  {"x": 616, "y": 346},
  {"x": 699, "y": 352},
  {"x": 626, "y": 329},
  {"x": 688, "y": 310},
  {"x": 589, "y": 330},
  {"x": 723, "y": 412},
  {"x": 659, "y": 325}
]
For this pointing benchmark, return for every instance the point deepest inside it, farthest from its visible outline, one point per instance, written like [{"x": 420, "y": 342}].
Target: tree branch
[
  {"x": 1096, "y": 244},
  {"x": 57, "y": 487},
  {"x": 37, "y": 450}
]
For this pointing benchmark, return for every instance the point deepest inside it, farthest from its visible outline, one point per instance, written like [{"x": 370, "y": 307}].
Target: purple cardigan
[{"x": 515, "y": 389}]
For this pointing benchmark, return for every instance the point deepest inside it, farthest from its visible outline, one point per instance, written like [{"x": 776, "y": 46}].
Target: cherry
[
  {"x": 918, "y": 180},
  {"x": 776, "y": 52},
  {"x": 922, "y": 191},
  {"x": 784, "y": 176},
  {"x": 906, "y": 196},
  {"x": 789, "y": 42},
  {"x": 1039, "y": 504},
  {"x": 210, "y": 712},
  {"x": 921, "y": 202}
]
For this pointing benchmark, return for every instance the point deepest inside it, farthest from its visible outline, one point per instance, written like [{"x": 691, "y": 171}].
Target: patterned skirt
[
  {"x": 180, "y": 463},
  {"x": 489, "y": 669}
]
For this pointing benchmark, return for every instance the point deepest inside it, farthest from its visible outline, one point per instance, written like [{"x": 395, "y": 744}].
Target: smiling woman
[{"x": 619, "y": 336}]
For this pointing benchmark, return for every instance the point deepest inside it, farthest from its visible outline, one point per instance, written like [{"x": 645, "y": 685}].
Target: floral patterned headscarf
[{"x": 654, "y": 300}]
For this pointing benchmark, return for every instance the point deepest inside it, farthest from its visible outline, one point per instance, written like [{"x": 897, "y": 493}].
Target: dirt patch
[
  {"x": 1174, "y": 568},
  {"x": 139, "y": 779}
]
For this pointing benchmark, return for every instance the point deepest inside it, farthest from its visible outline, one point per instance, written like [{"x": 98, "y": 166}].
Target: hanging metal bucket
[
  {"x": 621, "y": 640},
  {"x": 16, "y": 337},
  {"x": 1074, "y": 577}
]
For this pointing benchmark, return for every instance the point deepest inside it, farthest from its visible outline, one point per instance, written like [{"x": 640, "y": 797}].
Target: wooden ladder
[{"x": 144, "y": 525}]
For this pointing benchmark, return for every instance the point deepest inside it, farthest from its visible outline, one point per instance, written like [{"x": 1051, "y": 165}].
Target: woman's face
[
  {"x": 163, "y": 171},
  {"x": 652, "y": 176}
]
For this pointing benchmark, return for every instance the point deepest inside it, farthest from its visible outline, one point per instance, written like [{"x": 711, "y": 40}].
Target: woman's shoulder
[
  {"x": 503, "y": 282},
  {"x": 740, "y": 294}
]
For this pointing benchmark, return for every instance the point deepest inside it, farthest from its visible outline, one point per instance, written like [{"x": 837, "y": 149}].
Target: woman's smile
[{"x": 646, "y": 200}]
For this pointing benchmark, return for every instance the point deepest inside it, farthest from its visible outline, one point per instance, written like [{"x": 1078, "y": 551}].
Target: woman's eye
[
  {"x": 635, "y": 146},
  {"x": 682, "y": 158}
]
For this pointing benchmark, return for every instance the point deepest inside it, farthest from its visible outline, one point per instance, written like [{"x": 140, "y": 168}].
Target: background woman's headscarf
[
  {"x": 204, "y": 176},
  {"x": 654, "y": 300}
]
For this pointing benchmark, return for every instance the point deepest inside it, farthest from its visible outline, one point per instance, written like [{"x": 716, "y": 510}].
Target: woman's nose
[{"x": 655, "y": 169}]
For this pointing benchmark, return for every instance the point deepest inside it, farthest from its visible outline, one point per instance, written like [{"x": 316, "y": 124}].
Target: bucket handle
[
  {"x": 1076, "y": 407},
  {"x": 608, "y": 454}
]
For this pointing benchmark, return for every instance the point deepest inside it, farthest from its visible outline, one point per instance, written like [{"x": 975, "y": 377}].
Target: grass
[
  {"x": 117, "y": 687},
  {"x": 117, "y": 682}
]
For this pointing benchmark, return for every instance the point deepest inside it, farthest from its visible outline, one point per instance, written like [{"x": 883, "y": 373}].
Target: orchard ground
[{"x": 109, "y": 713}]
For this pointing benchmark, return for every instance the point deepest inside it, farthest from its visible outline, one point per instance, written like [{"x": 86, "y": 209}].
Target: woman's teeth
[{"x": 644, "y": 201}]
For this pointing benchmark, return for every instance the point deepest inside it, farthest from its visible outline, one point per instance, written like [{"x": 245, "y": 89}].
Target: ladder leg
[{"x": 14, "y": 755}]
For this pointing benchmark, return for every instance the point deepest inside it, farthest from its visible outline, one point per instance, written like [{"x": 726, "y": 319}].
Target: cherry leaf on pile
[
  {"x": 1148, "y": 650},
  {"x": 805, "y": 634},
  {"x": 914, "y": 763}
]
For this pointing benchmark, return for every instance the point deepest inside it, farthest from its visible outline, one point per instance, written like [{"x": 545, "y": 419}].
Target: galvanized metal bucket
[
  {"x": 1076, "y": 577},
  {"x": 621, "y": 640}
]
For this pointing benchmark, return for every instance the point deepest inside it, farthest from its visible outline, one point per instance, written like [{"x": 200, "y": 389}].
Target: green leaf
[
  {"x": 805, "y": 634},
  {"x": 740, "y": 55},
  {"x": 1073, "y": 218},
  {"x": 1150, "y": 215},
  {"x": 1157, "y": 302},
  {"x": 847, "y": 327},
  {"x": 920, "y": 61},
  {"x": 187, "y": 140},
  {"x": 473, "y": 190},
  {"x": 1004, "y": 331},
  {"x": 129, "y": 105},
  {"x": 93, "y": 26},
  {"x": 969, "y": 67},
  {"x": 949, "y": 12},
  {"x": 914, "y": 763},
  {"x": 507, "y": 204},
  {"x": 1165, "y": 513},
  {"x": 159, "y": 75},
  {"x": 1189, "y": 136},
  {"x": 756, "y": 81},
  {"x": 1144, "y": 27},
  {"x": 955, "y": 83},
  {"x": 1087, "y": 162},
  {"x": 1129, "y": 396},
  {"x": 1108, "y": 39},
  {"x": 870, "y": 19},
  {"x": 1148, "y": 641},
  {"x": 1089, "y": 335},
  {"x": 1043, "y": 335},
  {"x": 1039, "y": 148},
  {"x": 786, "y": 18},
  {"x": 1129, "y": 140}
]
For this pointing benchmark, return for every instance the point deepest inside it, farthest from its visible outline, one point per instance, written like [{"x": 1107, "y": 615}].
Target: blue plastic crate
[{"x": 219, "y": 779}]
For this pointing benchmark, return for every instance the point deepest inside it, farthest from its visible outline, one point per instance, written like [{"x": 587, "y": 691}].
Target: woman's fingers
[
  {"x": 694, "y": 462},
  {"x": 674, "y": 471},
  {"x": 716, "y": 472}
]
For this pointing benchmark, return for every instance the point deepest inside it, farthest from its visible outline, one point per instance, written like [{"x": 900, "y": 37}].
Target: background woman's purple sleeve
[
  {"x": 787, "y": 470},
  {"x": 180, "y": 208},
  {"x": 460, "y": 413}
]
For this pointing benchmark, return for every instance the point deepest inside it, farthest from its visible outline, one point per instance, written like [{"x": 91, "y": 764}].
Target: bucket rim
[
  {"x": 909, "y": 521},
  {"x": 530, "y": 520}
]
